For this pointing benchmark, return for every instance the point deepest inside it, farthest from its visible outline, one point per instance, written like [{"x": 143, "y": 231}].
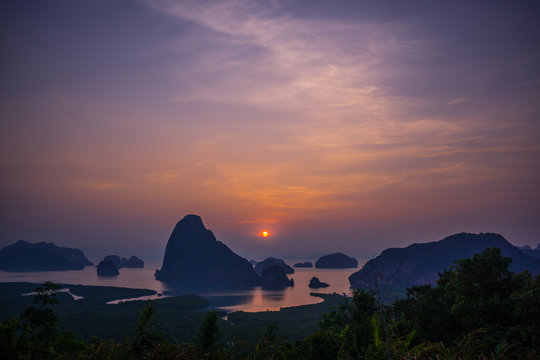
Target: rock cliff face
[
  {"x": 275, "y": 277},
  {"x": 107, "y": 268},
  {"x": 419, "y": 264},
  {"x": 336, "y": 261},
  {"x": 270, "y": 261},
  {"x": 193, "y": 256},
  {"x": 24, "y": 256}
]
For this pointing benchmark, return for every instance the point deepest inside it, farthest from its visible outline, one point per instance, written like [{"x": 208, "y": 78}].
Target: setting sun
[{"x": 265, "y": 233}]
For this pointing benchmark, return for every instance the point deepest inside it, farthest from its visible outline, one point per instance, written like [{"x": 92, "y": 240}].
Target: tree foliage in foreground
[{"x": 478, "y": 310}]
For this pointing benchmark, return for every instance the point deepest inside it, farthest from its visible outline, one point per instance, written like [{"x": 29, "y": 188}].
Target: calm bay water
[{"x": 256, "y": 299}]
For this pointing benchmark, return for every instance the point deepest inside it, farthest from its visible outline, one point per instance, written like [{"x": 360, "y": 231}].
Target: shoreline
[{"x": 216, "y": 302}]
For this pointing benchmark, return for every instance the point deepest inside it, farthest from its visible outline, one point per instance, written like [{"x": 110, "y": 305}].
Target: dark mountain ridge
[
  {"x": 419, "y": 264},
  {"x": 532, "y": 253},
  {"x": 42, "y": 256}
]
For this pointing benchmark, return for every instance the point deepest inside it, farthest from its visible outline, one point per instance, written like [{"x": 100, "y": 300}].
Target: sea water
[{"x": 254, "y": 299}]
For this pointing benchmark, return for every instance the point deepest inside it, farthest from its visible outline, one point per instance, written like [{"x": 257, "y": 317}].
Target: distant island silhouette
[
  {"x": 42, "y": 256},
  {"x": 132, "y": 262},
  {"x": 336, "y": 261},
  {"x": 420, "y": 264},
  {"x": 107, "y": 268},
  {"x": 306, "y": 264},
  {"x": 270, "y": 261},
  {"x": 315, "y": 283},
  {"x": 274, "y": 277}
]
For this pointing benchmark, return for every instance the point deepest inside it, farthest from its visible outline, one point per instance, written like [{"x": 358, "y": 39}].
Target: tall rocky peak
[
  {"x": 189, "y": 235},
  {"x": 191, "y": 230},
  {"x": 194, "y": 256}
]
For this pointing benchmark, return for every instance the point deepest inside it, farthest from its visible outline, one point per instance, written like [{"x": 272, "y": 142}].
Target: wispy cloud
[
  {"x": 456, "y": 101},
  {"x": 163, "y": 176},
  {"x": 528, "y": 83},
  {"x": 98, "y": 185},
  {"x": 183, "y": 99},
  {"x": 261, "y": 58}
]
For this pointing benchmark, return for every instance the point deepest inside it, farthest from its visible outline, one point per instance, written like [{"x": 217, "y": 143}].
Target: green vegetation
[
  {"x": 478, "y": 310},
  {"x": 478, "y": 307},
  {"x": 91, "y": 316},
  {"x": 208, "y": 334}
]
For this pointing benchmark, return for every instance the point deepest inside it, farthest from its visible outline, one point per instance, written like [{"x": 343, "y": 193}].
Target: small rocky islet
[
  {"x": 107, "y": 268},
  {"x": 132, "y": 262},
  {"x": 275, "y": 277},
  {"x": 271, "y": 261},
  {"x": 315, "y": 283},
  {"x": 336, "y": 261}
]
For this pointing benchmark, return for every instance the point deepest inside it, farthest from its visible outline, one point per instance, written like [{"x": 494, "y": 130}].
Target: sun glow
[{"x": 265, "y": 233}]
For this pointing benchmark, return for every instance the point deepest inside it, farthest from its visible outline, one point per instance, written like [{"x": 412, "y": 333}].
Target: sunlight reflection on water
[{"x": 255, "y": 299}]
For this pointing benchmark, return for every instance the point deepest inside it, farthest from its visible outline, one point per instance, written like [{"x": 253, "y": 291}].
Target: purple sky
[{"x": 334, "y": 125}]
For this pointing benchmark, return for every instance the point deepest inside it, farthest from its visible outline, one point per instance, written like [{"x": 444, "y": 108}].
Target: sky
[{"x": 344, "y": 126}]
